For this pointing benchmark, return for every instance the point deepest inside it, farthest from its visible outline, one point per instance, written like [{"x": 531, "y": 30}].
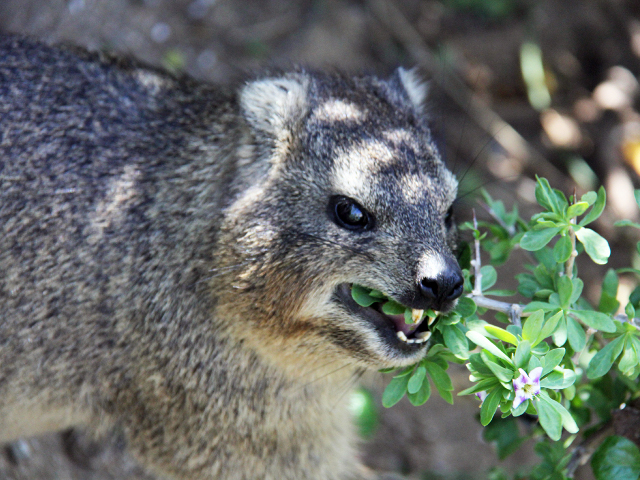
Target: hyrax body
[{"x": 175, "y": 259}]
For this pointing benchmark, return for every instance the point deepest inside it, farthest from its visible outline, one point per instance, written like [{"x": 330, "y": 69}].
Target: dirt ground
[{"x": 585, "y": 133}]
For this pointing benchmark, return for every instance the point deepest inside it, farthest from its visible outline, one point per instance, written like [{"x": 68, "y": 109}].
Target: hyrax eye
[
  {"x": 448, "y": 218},
  {"x": 349, "y": 214}
]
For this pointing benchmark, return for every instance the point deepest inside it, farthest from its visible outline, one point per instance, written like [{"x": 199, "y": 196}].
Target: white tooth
[
  {"x": 416, "y": 314},
  {"x": 431, "y": 320},
  {"x": 401, "y": 336},
  {"x": 424, "y": 336},
  {"x": 412, "y": 340},
  {"x": 419, "y": 340}
]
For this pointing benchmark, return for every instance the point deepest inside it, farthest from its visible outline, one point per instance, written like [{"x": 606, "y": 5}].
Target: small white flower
[
  {"x": 481, "y": 395},
  {"x": 527, "y": 386}
]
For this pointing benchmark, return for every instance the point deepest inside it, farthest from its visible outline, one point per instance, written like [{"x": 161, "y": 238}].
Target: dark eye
[
  {"x": 448, "y": 218},
  {"x": 349, "y": 214}
]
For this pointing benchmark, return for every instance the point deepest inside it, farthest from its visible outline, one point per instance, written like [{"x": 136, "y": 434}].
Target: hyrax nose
[{"x": 443, "y": 287}]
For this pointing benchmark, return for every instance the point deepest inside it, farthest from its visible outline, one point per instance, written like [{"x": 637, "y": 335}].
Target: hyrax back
[{"x": 176, "y": 259}]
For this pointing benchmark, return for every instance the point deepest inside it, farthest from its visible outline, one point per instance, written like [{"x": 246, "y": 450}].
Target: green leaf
[
  {"x": 490, "y": 405},
  {"x": 408, "y": 370},
  {"x": 575, "y": 334},
  {"x": 608, "y": 301},
  {"x": 421, "y": 396},
  {"x": 577, "y": 290},
  {"x": 552, "y": 359},
  {"x": 629, "y": 359},
  {"x": 523, "y": 353},
  {"x": 534, "y": 362},
  {"x": 626, "y": 223},
  {"x": 599, "y": 321},
  {"x": 603, "y": 360},
  {"x": 489, "y": 276},
  {"x": 536, "y": 239},
  {"x": 465, "y": 307},
  {"x": 561, "y": 200},
  {"x": 361, "y": 296},
  {"x": 568, "y": 422},
  {"x": 501, "y": 334},
  {"x": 415, "y": 382},
  {"x": 577, "y": 209},
  {"x": 476, "y": 364},
  {"x": 503, "y": 374},
  {"x": 565, "y": 291},
  {"x": 550, "y": 326},
  {"x": 636, "y": 194},
  {"x": 562, "y": 249},
  {"x": 393, "y": 308},
  {"x": 630, "y": 310},
  {"x": 559, "y": 380},
  {"x": 545, "y": 306},
  {"x": 395, "y": 391},
  {"x": 482, "y": 385},
  {"x": 487, "y": 344},
  {"x": 455, "y": 340},
  {"x": 532, "y": 326},
  {"x": 597, "y": 208},
  {"x": 545, "y": 195},
  {"x": 610, "y": 283},
  {"x": 589, "y": 197},
  {"x": 617, "y": 458},
  {"x": 560, "y": 334},
  {"x": 550, "y": 419},
  {"x": 595, "y": 246},
  {"x": 441, "y": 380}
]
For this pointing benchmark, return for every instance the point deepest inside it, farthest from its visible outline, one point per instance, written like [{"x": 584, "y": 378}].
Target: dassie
[{"x": 176, "y": 258}]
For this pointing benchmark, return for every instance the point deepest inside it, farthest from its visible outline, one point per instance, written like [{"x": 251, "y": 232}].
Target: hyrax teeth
[
  {"x": 402, "y": 336},
  {"x": 416, "y": 314},
  {"x": 424, "y": 336}
]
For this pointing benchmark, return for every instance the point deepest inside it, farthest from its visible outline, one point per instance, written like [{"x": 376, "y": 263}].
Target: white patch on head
[
  {"x": 399, "y": 135},
  {"x": 337, "y": 110},
  {"x": 414, "y": 86},
  {"x": 269, "y": 103},
  {"x": 451, "y": 183},
  {"x": 433, "y": 264},
  {"x": 414, "y": 188},
  {"x": 354, "y": 170}
]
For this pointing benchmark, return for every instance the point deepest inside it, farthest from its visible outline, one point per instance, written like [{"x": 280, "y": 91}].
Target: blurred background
[{"x": 518, "y": 88}]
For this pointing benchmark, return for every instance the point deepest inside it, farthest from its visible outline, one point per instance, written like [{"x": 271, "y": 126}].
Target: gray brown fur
[{"x": 168, "y": 266}]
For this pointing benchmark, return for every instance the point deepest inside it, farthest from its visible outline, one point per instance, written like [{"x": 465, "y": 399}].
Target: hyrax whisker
[
  {"x": 348, "y": 385},
  {"x": 328, "y": 374}
]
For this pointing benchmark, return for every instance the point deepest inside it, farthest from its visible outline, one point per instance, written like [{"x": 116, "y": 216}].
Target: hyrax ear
[
  {"x": 272, "y": 104},
  {"x": 414, "y": 86}
]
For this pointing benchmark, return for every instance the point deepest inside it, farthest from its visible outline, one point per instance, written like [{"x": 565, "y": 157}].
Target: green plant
[{"x": 557, "y": 357}]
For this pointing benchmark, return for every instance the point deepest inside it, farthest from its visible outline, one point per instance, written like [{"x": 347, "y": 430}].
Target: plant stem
[
  {"x": 476, "y": 262},
  {"x": 583, "y": 452},
  {"x": 568, "y": 266},
  {"x": 514, "y": 310}
]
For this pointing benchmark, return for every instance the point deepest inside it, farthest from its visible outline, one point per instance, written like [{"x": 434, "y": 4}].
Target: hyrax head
[{"x": 346, "y": 188}]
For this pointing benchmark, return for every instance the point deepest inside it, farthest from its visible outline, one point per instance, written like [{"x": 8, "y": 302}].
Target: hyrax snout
[{"x": 177, "y": 259}]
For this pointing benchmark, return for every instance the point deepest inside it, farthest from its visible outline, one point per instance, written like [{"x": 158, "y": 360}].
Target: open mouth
[{"x": 409, "y": 327}]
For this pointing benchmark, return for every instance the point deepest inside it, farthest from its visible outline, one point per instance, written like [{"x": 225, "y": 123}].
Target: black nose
[{"x": 445, "y": 287}]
